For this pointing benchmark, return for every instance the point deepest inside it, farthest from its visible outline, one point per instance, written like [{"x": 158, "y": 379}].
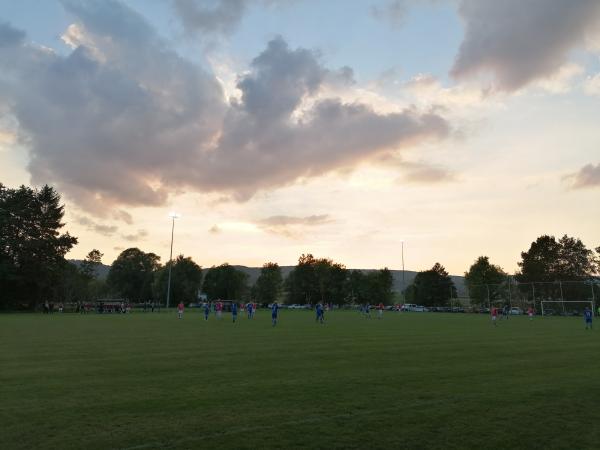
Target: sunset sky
[{"x": 278, "y": 127}]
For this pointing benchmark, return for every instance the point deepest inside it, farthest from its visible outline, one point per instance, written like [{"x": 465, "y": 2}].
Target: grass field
[{"x": 411, "y": 380}]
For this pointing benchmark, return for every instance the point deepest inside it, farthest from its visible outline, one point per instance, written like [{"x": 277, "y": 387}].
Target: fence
[{"x": 533, "y": 293}]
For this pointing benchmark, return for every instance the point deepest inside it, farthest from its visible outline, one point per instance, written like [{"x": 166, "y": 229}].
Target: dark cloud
[
  {"x": 106, "y": 230},
  {"x": 292, "y": 226},
  {"x": 138, "y": 236},
  {"x": 214, "y": 229},
  {"x": 124, "y": 216},
  {"x": 393, "y": 11},
  {"x": 519, "y": 41},
  {"x": 426, "y": 174},
  {"x": 10, "y": 36},
  {"x": 586, "y": 177},
  {"x": 292, "y": 220},
  {"x": 219, "y": 16},
  {"x": 124, "y": 120},
  {"x": 203, "y": 17}
]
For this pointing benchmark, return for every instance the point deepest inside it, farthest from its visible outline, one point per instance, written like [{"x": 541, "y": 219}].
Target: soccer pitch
[{"x": 411, "y": 380}]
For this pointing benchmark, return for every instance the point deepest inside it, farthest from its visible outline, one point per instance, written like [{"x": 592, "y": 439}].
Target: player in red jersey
[{"x": 494, "y": 315}]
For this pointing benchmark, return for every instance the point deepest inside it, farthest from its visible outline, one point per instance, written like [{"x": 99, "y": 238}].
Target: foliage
[
  {"x": 131, "y": 275},
  {"x": 32, "y": 249},
  {"x": 547, "y": 259},
  {"x": 225, "y": 282},
  {"x": 483, "y": 273},
  {"x": 269, "y": 283},
  {"x": 90, "y": 264},
  {"x": 186, "y": 280},
  {"x": 432, "y": 287}
]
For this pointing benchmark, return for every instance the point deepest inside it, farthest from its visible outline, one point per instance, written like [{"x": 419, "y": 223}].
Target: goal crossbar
[{"x": 545, "y": 303}]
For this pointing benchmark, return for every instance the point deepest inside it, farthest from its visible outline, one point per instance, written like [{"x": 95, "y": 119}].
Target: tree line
[{"x": 33, "y": 269}]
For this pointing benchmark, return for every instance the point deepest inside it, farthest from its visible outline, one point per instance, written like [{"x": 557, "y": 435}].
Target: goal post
[{"x": 565, "y": 307}]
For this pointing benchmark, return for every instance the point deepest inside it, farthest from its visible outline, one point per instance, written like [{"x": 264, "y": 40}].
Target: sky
[{"x": 345, "y": 129}]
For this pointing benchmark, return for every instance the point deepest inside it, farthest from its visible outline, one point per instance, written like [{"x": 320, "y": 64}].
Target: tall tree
[
  {"x": 186, "y": 280},
  {"x": 483, "y": 278},
  {"x": 32, "y": 248},
  {"x": 131, "y": 275},
  {"x": 547, "y": 259},
  {"x": 89, "y": 266},
  {"x": 225, "y": 282},
  {"x": 432, "y": 287},
  {"x": 269, "y": 283}
]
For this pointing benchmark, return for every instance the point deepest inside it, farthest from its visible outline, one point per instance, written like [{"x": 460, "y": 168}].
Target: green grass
[{"x": 145, "y": 381}]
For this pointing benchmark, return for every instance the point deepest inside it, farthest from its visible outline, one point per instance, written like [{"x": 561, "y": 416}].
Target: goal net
[{"x": 565, "y": 307}]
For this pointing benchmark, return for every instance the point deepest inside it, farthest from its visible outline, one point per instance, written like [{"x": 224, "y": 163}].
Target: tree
[
  {"x": 317, "y": 280},
  {"x": 301, "y": 283},
  {"x": 269, "y": 283},
  {"x": 32, "y": 249},
  {"x": 547, "y": 259},
  {"x": 131, "y": 275},
  {"x": 381, "y": 283},
  {"x": 225, "y": 282},
  {"x": 483, "y": 273},
  {"x": 186, "y": 280},
  {"x": 432, "y": 287},
  {"x": 90, "y": 264}
]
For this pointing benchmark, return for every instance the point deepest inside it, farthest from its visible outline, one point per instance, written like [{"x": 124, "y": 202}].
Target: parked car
[{"x": 514, "y": 311}]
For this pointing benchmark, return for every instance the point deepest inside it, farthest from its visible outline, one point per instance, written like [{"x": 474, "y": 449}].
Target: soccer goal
[{"x": 565, "y": 307}]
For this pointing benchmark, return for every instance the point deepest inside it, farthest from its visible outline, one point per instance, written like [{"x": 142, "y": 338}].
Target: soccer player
[
  {"x": 206, "y": 310},
  {"x": 368, "y": 310},
  {"x": 219, "y": 309},
  {"x": 320, "y": 313},
  {"x": 180, "y": 310},
  {"x": 587, "y": 315},
  {"x": 380, "y": 312},
  {"x": 234, "y": 311},
  {"x": 505, "y": 312},
  {"x": 274, "y": 312},
  {"x": 249, "y": 308},
  {"x": 254, "y": 308},
  {"x": 494, "y": 315},
  {"x": 530, "y": 313}
]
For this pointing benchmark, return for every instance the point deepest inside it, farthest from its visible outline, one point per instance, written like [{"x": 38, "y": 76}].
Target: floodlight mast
[
  {"x": 173, "y": 216},
  {"x": 403, "y": 286}
]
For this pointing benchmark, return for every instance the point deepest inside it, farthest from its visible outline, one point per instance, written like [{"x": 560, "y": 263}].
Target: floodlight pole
[
  {"x": 170, "y": 260},
  {"x": 403, "y": 287}
]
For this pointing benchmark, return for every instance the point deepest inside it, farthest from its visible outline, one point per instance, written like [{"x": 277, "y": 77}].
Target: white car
[{"x": 514, "y": 311}]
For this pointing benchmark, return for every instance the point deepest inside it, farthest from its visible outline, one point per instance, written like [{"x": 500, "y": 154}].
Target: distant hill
[
  {"x": 101, "y": 270},
  {"x": 254, "y": 272}
]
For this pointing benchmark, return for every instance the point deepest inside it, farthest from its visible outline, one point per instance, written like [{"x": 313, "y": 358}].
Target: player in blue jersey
[
  {"x": 234, "y": 311},
  {"x": 274, "y": 312},
  {"x": 249, "y": 310},
  {"x": 206, "y": 310},
  {"x": 587, "y": 315},
  {"x": 368, "y": 311},
  {"x": 320, "y": 313}
]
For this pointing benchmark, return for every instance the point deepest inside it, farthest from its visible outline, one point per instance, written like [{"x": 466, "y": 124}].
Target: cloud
[
  {"x": 124, "y": 216},
  {"x": 421, "y": 173},
  {"x": 591, "y": 85},
  {"x": 521, "y": 41},
  {"x": 10, "y": 36},
  {"x": 587, "y": 177},
  {"x": 214, "y": 229},
  {"x": 394, "y": 12},
  {"x": 220, "y": 16},
  {"x": 138, "y": 236},
  {"x": 123, "y": 120},
  {"x": 275, "y": 221},
  {"x": 106, "y": 230},
  {"x": 216, "y": 16},
  {"x": 292, "y": 226}
]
